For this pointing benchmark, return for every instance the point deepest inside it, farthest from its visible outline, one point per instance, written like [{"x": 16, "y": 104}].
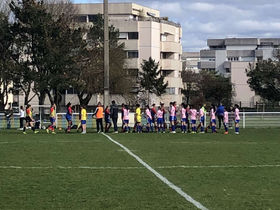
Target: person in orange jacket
[{"x": 99, "y": 113}]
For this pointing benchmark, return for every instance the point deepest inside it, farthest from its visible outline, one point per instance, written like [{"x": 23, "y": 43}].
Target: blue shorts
[
  {"x": 150, "y": 121},
  {"x": 237, "y": 121},
  {"x": 172, "y": 118},
  {"x": 125, "y": 121},
  {"x": 184, "y": 120},
  {"x": 108, "y": 120},
  {"x": 83, "y": 122},
  {"x": 175, "y": 118},
  {"x": 213, "y": 121},
  {"x": 160, "y": 120},
  {"x": 52, "y": 120},
  {"x": 193, "y": 121},
  {"x": 69, "y": 117},
  {"x": 202, "y": 119}
]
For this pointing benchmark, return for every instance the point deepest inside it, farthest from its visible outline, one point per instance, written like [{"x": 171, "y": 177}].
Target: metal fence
[{"x": 247, "y": 120}]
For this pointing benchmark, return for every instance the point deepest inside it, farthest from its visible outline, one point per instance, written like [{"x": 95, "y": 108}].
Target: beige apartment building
[
  {"x": 145, "y": 35},
  {"x": 232, "y": 57}
]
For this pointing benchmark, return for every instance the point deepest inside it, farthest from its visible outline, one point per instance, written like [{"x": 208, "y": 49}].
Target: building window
[
  {"x": 233, "y": 58},
  {"x": 133, "y": 35},
  {"x": 166, "y": 73},
  {"x": 132, "y": 54},
  {"x": 212, "y": 59},
  {"x": 81, "y": 19},
  {"x": 92, "y": 18},
  {"x": 123, "y": 35},
  {"x": 163, "y": 38},
  {"x": 71, "y": 91},
  {"x": 170, "y": 90},
  {"x": 132, "y": 72},
  {"x": 228, "y": 70}
]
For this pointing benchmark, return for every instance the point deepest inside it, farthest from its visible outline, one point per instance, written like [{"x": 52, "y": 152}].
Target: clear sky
[{"x": 204, "y": 19}]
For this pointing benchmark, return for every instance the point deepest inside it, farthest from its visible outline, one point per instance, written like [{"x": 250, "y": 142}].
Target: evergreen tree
[{"x": 151, "y": 79}]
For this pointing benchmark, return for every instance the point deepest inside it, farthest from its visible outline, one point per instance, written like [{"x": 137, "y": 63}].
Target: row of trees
[
  {"x": 207, "y": 87},
  {"x": 44, "y": 51}
]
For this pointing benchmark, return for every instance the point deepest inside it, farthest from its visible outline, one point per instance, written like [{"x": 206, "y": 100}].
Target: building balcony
[
  {"x": 171, "y": 64},
  {"x": 130, "y": 44},
  {"x": 174, "y": 82},
  {"x": 171, "y": 47},
  {"x": 132, "y": 63},
  {"x": 207, "y": 65},
  {"x": 207, "y": 53}
]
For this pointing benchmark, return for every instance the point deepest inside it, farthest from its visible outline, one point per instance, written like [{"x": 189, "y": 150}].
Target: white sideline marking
[
  {"x": 162, "y": 178},
  {"x": 8, "y": 142},
  {"x": 135, "y": 167}
]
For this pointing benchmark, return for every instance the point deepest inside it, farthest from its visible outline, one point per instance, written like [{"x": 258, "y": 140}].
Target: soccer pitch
[{"x": 73, "y": 171}]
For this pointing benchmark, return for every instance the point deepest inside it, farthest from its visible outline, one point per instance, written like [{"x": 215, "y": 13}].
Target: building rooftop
[
  {"x": 191, "y": 55},
  {"x": 122, "y": 9}
]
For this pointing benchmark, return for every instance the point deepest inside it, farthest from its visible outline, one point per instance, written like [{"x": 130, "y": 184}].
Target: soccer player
[
  {"x": 107, "y": 119},
  {"x": 69, "y": 117},
  {"x": 122, "y": 116},
  {"x": 160, "y": 121},
  {"x": 29, "y": 120},
  {"x": 183, "y": 118},
  {"x": 154, "y": 115},
  {"x": 172, "y": 117},
  {"x": 138, "y": 119},
  {"x": 99, "y": 112},
  {"x": 202, "y": 112},
  {"x": 237, "y": 118},
  {"x": 193, "y": 113},
  {"x": 52, "y": 119},
  {"x": 163, "y": 115},
  {"x": 84, "y": 119},
  {"x": 149, "y": 119},
  {"x": 226, "y": 121},
  {"x": 126, "y": 118},
  {"x": 213, "y": 118}
]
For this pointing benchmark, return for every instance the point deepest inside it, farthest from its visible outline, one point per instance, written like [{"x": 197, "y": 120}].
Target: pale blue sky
[{"x": 203, "y": 19}]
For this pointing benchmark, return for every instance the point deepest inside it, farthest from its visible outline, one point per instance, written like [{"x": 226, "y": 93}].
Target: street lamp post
[{"x": 106, "y": 54}]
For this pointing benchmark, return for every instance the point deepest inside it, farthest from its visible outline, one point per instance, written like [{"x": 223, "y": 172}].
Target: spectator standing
[
  {"x": 21, "y": 117},
  {"x": 114, "y": 115},
  {"x": 9, "y": 114},
  {"x": 220, "y": 114}
]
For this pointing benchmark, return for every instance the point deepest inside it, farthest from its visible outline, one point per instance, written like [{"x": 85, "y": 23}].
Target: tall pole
[{"x": 106, "y": 54}]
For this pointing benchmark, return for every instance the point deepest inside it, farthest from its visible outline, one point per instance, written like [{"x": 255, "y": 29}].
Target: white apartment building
[
  {"x": 145, "y": 35},
  {"x": 232, "y": 56}
]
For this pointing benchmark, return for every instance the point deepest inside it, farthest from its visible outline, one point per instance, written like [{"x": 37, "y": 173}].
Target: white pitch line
[
  {"x": 136, "y": 167},
  {"x": 4, "y": 142},
  {"x": 162, "y": 178}
]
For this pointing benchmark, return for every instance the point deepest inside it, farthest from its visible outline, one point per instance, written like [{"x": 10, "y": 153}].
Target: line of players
[
  {"x": 155, "y": 118},
  {"x": 189, "y": 117}
]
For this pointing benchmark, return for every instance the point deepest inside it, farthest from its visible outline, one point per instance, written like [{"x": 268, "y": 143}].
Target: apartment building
[
  {"x": 190, "y": 61},
  {"x": 232, "y": 56},
  {"x": 145, "y": 35}
]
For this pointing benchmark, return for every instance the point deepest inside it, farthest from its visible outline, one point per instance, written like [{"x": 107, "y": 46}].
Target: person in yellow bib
[
  {"x": 84, "y": 119},
  {"x": 52, "y": 119},
  {"x": 138, "y": 118}
]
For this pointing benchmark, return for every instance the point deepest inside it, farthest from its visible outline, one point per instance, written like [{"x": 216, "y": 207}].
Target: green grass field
[{"x": 40, "y": 171}]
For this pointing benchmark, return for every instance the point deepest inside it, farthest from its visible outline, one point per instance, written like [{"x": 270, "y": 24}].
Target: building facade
[
  {"x": 190, "y": 61},
  {"x": 232, "y": 56},
  {"x": 145, "y": 34}
]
